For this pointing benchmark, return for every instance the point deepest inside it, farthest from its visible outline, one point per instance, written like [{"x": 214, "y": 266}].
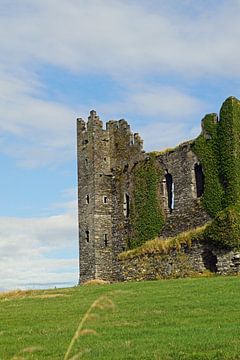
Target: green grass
[
  {"x": 195, "y": 318},
  {"x": 164, "y": 246}
]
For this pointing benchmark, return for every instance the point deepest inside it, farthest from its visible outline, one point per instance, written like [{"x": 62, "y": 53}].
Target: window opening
[
  {"x": 199, "y": 177},
  {"x": 87, "y": 199},
  {"x": 105, "y": 240},
  {"x": 170, "y": 190},
  {"x": 105, "y": 199},
  {"x": 86, "y": 162},
  {"x": 87, "y": 235},
  {"x": 209, "y": 260},
  {"x": 126, "y": 205}
]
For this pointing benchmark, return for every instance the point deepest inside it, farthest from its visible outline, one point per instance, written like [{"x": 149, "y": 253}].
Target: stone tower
[{"x": 105, "y": 159}]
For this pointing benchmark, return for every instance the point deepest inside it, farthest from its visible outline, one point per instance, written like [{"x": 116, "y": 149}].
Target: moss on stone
[
  {"x": 147, "y": 217},
  {"x": 229, "y": 150},
  {"x": 224, "y": 231},
  {"x": 218, "y": 149},
  {"x": 206, "y": 149},
  {"x": 164, "y": 246}
]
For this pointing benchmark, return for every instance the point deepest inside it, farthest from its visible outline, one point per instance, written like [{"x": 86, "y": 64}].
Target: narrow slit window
[
  {"x": 87, "y": 199},
  {"x": 105, "y": 199},
  {"x": 126, "y": 205},
  {"x": 105, "y": 240},
  {"x": 170, "y": 191},
  {"x": 86, "y": 162},
  {"x": 87, "y": 235},
  {"x": 199, "y": 177}
]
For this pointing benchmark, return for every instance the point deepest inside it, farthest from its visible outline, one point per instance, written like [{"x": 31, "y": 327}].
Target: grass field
[{"x": 195, "y": 318}]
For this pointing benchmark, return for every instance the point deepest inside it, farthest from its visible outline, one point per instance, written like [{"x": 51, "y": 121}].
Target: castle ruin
[{"x": 107, "y": 162}]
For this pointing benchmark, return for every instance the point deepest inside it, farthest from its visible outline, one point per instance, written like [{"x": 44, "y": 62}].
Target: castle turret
[{"x": 102, "y": 197}]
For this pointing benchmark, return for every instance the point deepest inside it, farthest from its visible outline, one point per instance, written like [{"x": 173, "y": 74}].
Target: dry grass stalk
[
  {"x": 49, "y": 296},
  {"x": 29, "y": 350},
  {"x": 163, "y": 246},
  {"x": 96, "y": 282},
  {"x": 101, "y": 303},
  {"x": 21, "y": 294},
  {"x": 14, "y": 294}
]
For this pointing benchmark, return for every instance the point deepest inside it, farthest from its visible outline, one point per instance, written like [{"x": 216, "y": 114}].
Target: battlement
[{"x": 115, "y": 129}]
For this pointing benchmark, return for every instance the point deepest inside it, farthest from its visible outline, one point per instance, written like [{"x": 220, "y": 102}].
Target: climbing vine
[
  {"x": 218, "y": 149},
  {"x": 206, "y": 149},
  {"x": 229, "y": 150},
  {"x": 147, "y": 217},
  {"x": 224, "y": 231}
]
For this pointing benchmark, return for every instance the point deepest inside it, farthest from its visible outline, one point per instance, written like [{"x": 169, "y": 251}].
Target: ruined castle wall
[
  {"x": 187, "y": 212},
  {"x": 85, "y": 188},
  {"x": 126, "y": 151},
  {"x": 188, "y": 261},
  {"x": 105, "y": 159},
  {"x": 95, "y": 199}
]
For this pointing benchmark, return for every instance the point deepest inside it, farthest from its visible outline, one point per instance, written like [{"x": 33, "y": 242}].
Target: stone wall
[
  {"x": 105, "y": 159},
  {"x": 187, "y": 212},
  {"x": 188, "y": 261}
]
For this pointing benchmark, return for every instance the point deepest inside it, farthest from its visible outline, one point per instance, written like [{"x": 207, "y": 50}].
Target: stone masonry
[
  {"x": 106, "y": 158},
  {"x": 102, "y": 197}
]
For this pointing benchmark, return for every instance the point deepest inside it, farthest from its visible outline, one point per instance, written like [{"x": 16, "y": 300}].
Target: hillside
[{"x": 173, "y": 319}]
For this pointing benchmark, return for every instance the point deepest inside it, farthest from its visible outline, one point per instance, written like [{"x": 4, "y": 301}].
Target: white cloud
[
  {"x": 160, "y": 135},
  {"x": 124, "y": 40},
  {"x": 37, "y": 250},
  {"x": 165, "y": 101},
  {"x": 118, "y": 36}
]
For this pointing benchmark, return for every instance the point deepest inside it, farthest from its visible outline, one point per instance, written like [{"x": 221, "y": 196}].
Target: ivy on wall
[
  {"x": 146, "y": 217},
  {"x": 218, "y": 149},
  {"x": 224, "y": 231},
  {"x": 206, "y": 149},
  {"x": 229, "y": 150}
]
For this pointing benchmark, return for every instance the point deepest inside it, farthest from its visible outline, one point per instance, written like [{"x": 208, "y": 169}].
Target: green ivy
[
  {"x": 206, "y": 149},
  {"x": 229, "y": 150},
  {"x": 224, "y": 231},
  {"x": 146, "y": 217},
  {"x": 218, "y": 149}
]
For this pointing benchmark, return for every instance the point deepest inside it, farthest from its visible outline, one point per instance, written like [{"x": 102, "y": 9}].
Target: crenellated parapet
[{"x": 105, "y": 158}]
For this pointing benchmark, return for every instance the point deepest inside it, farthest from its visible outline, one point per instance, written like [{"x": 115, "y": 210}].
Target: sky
[{"x": 161, "y": 65}]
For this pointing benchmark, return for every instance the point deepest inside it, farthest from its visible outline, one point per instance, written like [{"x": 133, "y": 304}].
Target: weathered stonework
[
  {"x": 177, "y": 263},
  {"x": 187, "y": 212},
  {"x": 107, "y": 159}
]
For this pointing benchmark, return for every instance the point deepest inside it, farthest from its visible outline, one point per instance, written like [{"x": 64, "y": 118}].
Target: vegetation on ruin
[
  {"x": 218, "y": 149},
  {"x": 224, "y": 231},
  {"x": 164, "y": 246},
  {"x": 180, "y": 319},
  {"x": 168, "y": 150},
  {"x": 229, "y": 150},
  {"x": 146, "y": 214},
  {"x": 206, "y": 149}
]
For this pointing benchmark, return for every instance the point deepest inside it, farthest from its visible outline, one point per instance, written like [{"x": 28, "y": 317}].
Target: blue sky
[{"x": 160, "y": 64}]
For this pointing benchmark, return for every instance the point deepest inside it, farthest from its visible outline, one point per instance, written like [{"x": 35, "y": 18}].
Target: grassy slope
[{"x": 174, "y": 319}]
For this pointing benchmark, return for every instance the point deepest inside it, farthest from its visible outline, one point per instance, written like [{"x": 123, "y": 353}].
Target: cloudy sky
[{"x": 160, "y": 64}]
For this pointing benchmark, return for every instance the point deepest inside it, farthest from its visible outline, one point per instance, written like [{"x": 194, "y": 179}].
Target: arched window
[
  {"x": 170, "y": 190},
  {"x": 199, "y": 177},
  {"x": 87, "y": 199}
]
